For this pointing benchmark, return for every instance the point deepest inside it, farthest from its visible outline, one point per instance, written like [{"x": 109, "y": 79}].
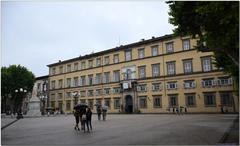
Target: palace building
[{"x": 149, "y": 76}]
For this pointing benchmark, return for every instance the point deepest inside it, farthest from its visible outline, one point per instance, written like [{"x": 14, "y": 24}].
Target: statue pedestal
[{"x": 34, "y": 107}]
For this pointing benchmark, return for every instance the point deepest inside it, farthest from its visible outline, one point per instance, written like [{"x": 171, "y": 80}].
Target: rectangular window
[
  {"x": 189, "y": 84},
  {"x": 53, "y": 104},
  {"x": 186, "y": 44},
  {"x": 68, "y": 95},
  {"x": 68, "y": 82},
  {"x": 90, "y": 93},
  {"x": 116, "y": 76},
  {"x": 60, "y": 69},
  {"x": 115, "y": 58},
  {"x": 154, "y": 50},
  {"x": 90, "y": 79},
  {"x": 190, "y": 100},
  {"x": 68, "y": 105},
  {"x": 75, "y": 83},
  {"x": 90, "y": 103},
  {"x": 83, "y": 101},
  {"x": 53, "y": 71},
  {"x": 82, "y": 81},
  {"x": 83, "y": 65},
  {"x": 128, "y": 55},
  {"x": 117, "y": 103},
  {"x": 187, "y": 64},
  {"x": 98, "y": 92},
  {"x": 173, "y": 100},
  {"x": 209, "y": 99},
  {"x": 68, "y": 68},
  {"x": 156, "y": 86},
  {"x": 142, "y": 88},
  {"x": 172, "y": 85},
  {"x": 141, "y": 53},
  {"x": 223, "y": 81},
  {"x": 60, "y": 83},
  {"x": 99, "y": 102},
  {"x": 116, "y": 90},
  {"x": 171, "y": 69},
  {"x": 75, "y": 66},
  {"x": 106, "y": 60},
  {"x": 155, "y": 70},
  {"x": 209, "y": 82},
  {"x": 143, "y": 101},
  {"x": 106, "y": 91},
  {"x": 107, "y": 103},
  {"x": 53, "y": 85},
  {"x": 106, "y": 77},
  {"x": 142, "y": 71},
  {"x": 226, "y": 99},
  {"x": 52, "y": 96},
  {"x": 98, "y": 62},
  {"x": 169, "y": 47},
  {"x": 90, "y": 63},
  {"x": 98, "y": 78},
  {"x": 157, "y": 101},
  {"x": 128, "y": 74},
  {"x": 82, "y": 93},
  {"x": 206, "y": 64},
  {"x": 60, "y": 95}
]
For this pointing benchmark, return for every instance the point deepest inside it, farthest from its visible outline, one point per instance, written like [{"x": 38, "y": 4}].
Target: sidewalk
[
  {"x": 7, "y": 121},
  {"x": 231, "y": 137}
]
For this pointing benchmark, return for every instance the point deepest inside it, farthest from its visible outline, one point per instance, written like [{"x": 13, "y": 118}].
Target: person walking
[
  {"x": 77, "y": 116},
  {"x": 84, "y": 119},
  {"x": 104, "y": 112},
  {"x": 89, "y": 118},
  {"x": 99, "y": 112}
]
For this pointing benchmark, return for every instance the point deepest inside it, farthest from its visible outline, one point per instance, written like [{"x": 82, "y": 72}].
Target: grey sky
[{"x": 35, "y": 34}]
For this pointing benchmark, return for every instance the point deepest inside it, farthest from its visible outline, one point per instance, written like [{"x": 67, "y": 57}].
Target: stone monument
[{"x": 34, "y": 104}]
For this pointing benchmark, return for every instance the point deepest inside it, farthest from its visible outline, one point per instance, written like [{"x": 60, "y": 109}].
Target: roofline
[
  {"x": 122, "y": 47},
  {"x": 42, "y": 77}
]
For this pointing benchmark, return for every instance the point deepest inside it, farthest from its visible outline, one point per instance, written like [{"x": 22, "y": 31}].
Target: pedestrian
[
  {"x": 77, "y": 116},
  {"x": 99, "y": 112},
  {"x": 104, "y": 112},
  {"x": 84, "y": 119},
  {"x": 89, "y": 118}
]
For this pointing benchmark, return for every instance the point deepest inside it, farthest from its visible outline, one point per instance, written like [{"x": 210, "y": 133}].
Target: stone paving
[{"x": 139, "y": 129}]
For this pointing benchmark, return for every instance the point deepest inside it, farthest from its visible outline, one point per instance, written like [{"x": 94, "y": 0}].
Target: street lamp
[
  {"x": 20, "y": 91},
  {"x": 42, "y": 99},
  {"x": 75, "y": 96}
]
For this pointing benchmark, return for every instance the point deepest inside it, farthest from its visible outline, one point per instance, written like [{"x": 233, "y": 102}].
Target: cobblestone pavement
[{"x": 139, "y": 129}]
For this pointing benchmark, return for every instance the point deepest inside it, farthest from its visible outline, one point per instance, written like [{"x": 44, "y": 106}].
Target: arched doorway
[{"x": 129, "y": 104}]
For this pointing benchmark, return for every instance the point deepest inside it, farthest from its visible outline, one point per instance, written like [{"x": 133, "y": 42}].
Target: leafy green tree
[
  {"x": 215, "y": 24},
  {"x": 15, "y": 77}
]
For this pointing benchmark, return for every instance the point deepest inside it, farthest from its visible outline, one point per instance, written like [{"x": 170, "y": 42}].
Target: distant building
[
  {"x": 150, "y": 76},
  {"x": 41, "y": 85}
]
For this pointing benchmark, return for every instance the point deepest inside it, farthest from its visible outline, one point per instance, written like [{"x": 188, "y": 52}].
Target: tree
[
  {"x": 15, "y": 77},
  {"x": 215, "y": 24}
]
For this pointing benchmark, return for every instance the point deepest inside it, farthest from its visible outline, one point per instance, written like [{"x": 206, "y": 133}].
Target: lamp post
[
  {"x": 43, "y": 101},
  {"x": 20, "y": 91},
  {"x": 75, "y": 96}
]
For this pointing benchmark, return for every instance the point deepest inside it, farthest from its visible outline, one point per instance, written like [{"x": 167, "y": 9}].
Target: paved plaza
[{"x": 139, "y": 129}]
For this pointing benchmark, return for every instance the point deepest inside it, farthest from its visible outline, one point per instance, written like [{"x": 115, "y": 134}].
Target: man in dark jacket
[{"x": 89, "y": 118}]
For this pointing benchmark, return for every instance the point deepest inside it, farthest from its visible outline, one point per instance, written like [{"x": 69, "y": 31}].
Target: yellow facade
[{"x": 173, "y": 93}]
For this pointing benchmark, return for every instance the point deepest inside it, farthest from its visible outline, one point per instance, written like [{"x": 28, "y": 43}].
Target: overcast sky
[{"x": 35, "y": 34}]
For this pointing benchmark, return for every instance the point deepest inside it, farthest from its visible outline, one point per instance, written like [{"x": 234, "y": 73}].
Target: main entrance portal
[{"x": 129, "y": 104}]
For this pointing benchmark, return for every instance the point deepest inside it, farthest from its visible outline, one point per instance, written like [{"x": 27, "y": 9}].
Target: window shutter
[
  {"x": 219, "y": 82},
  {"x": 184, "y": 85},
  {"x": 193, "y": 84},
  {"x": 203, "y": 83},
  {"x": 146, "y": 88},
  {"x": 176, "y": 86},
  {"x": 230, "y": 81},
  {"x": 138, "y": 88},
  {"x": 168, "y": 86},
  {"x": 214, "y": 82},
  {"x": 153, "y": 88}
]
